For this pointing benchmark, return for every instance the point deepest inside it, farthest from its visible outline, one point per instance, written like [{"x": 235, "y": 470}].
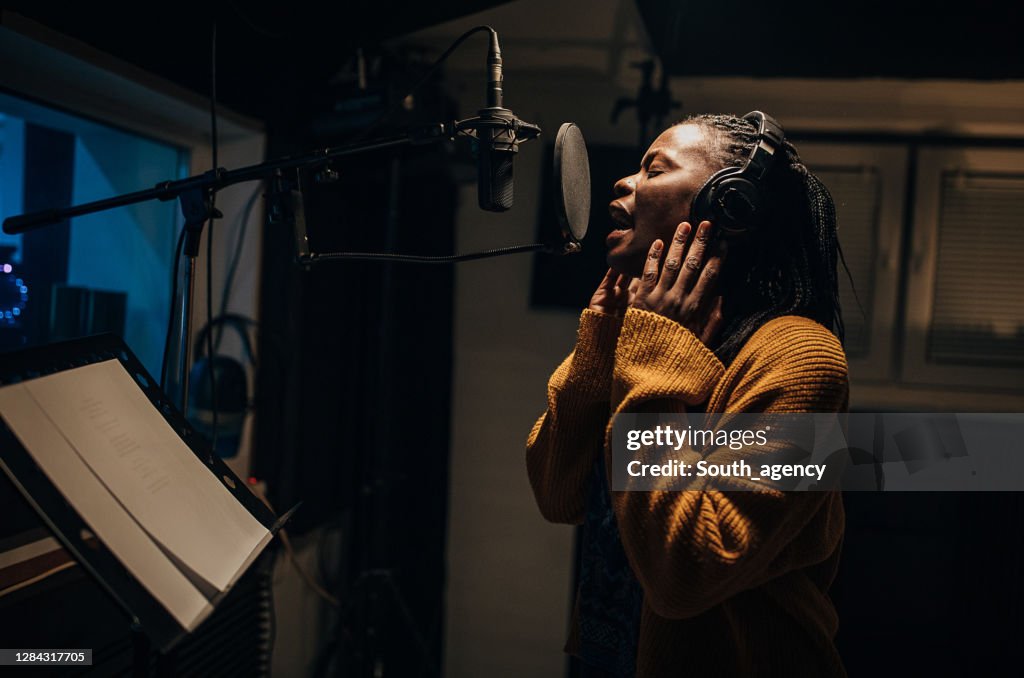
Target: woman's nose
[{"x": 624, "y": 186}]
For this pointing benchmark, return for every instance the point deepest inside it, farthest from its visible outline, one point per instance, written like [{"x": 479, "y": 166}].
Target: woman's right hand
[{"x": 613, "y": 295}]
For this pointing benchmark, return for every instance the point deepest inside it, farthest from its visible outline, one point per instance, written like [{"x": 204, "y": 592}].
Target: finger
[
  {"x": 704, "y": 290},
  {"x": 691, "y": 269},
  {"x": 650, "y": 276},
  {"x": 674, "y": 258},
  {"x": 608, "y": 281},
  {"x": 622, "y": 297}
]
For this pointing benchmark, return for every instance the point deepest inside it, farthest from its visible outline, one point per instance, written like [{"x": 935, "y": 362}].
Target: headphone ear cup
[
  {"x": 738, "y": 205},
  {"x": 702, "y": 208},
  {"x": 231, "y": 404}
]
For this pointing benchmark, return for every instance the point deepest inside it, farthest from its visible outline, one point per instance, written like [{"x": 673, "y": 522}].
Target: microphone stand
[{"x": 195, "y": 196}]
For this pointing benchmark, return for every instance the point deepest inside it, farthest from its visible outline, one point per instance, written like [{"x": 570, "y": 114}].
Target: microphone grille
[{"x": 495, "y": 187}]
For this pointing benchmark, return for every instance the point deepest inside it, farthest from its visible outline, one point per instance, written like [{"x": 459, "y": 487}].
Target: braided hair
[{"x": 789, "y": 267}]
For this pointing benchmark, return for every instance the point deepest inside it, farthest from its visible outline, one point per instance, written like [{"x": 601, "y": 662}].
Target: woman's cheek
[{"x": 662, "y": 216}]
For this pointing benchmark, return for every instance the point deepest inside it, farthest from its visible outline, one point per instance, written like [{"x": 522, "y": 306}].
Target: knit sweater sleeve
[
  {"x": 691, "y": 550},
  {"x": 567, "y": 438}
]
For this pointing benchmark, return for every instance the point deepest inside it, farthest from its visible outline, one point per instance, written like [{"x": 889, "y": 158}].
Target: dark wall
[
  {"x": 815, "y": 38},
  {"x": 354, "y": 410},
  {"x": 930, "y": 583}
]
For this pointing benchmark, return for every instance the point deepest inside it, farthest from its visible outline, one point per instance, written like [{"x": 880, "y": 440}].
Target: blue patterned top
[{"x": 610, "y": 595}]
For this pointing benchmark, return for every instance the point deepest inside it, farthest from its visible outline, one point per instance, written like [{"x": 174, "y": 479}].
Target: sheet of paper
[
  {"x": 106, "y": 517},
  {"x": 126, "y": 442}
]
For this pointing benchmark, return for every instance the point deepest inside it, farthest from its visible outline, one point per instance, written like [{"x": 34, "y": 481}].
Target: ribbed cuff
[
  {"x": 657, "y": 357},
  {"x": 594, "y": 357}
]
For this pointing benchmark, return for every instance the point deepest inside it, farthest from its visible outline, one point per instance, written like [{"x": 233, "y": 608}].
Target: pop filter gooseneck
[{"x": 572, "y": 212}]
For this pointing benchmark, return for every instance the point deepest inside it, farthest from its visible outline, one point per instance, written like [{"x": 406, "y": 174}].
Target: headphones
[
  {"x": 233, "y": 397},
  {"x": 239, "y": 323},
  {"x": 732, "y": 199}
]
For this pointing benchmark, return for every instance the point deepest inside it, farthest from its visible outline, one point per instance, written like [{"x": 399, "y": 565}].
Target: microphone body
[{"x": 496, "y": 152}]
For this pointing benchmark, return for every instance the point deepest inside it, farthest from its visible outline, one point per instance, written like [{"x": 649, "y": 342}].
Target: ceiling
[
  {"x": 270, "y": 56},
  {"x": 273, "y": 58}
]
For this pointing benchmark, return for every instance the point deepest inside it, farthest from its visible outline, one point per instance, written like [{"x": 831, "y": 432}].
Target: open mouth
[
  {"x": 620, "y": 218},
  {"x": 622, "y": 224}
]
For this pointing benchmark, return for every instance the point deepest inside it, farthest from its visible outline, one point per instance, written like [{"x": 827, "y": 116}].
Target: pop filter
[{"x": 572, "y": 186}]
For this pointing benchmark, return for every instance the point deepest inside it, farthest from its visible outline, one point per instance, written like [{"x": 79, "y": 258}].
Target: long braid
[{"x": 790, "y": 268}]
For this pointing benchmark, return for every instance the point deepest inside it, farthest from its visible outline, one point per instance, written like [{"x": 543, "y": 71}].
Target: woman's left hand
[{"x": 685, "y": 289}]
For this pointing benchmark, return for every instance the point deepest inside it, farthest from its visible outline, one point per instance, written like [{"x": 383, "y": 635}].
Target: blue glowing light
[{"x": 10, "y": 315}]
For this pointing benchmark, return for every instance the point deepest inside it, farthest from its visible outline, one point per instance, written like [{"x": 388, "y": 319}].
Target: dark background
[{"x": 274, "y": 59}]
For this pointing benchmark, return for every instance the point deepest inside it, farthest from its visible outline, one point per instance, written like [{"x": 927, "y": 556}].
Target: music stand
[{"x": 145, "y": 612}]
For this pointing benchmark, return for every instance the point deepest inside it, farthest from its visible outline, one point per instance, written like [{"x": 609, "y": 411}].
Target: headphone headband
[{"x": 769, "y": 140}]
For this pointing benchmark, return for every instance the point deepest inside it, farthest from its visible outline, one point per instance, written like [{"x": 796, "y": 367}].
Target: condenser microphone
[
  {"x": 495, "y": 161},
  {"x": 498, "y": 134}
]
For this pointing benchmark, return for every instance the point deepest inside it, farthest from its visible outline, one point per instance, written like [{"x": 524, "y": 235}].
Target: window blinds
[{"x": 978, "y": 308}]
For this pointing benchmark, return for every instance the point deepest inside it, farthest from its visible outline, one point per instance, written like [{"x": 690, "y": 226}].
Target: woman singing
[{"x": 702, "y": 583}]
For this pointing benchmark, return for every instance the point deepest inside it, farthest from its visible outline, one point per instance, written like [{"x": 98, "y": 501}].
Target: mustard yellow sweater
[{"x": 734, "y": 583}]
